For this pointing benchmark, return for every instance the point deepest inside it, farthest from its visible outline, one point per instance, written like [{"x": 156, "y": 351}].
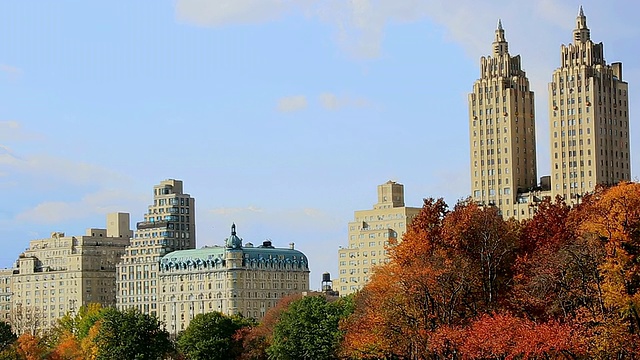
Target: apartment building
[
  {"x": 502, "y": 133},
  {"x": 59, "y": 274},
  {"x": 168, "y": 225},
  {"x": 589, "y": 118},
  {"x": 369, "y": 235},
  {"x": 232, "y": 279}
]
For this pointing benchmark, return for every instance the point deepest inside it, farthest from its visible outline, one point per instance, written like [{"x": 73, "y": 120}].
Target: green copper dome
[{"x": 233, "y": 241}]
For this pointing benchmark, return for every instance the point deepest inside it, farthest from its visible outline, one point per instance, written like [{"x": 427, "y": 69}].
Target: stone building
[
  {"x": 5, "y": 294},
  {"x": 168, "y": 225},
  {"x": 589, "y": 119},
  {"x": 502, "y": 133},
  {"x": 232, "y": 279},
  {"x": 57, "y": 275},
  {"x": 369, "y": 234}
]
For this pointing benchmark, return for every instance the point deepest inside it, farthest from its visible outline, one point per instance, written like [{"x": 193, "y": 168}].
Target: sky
[{"x": 279, "y": 115}]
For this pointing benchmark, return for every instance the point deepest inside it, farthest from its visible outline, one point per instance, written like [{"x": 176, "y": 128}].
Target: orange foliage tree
[
  {"x": 256, "y": 339},
  {"x": 449, "y": 267},
  {"x": 30, "y": 347}
]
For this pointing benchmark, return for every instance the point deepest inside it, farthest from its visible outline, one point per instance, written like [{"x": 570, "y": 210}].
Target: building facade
[
  {"x": 589, "y": 118},
  {"x": 232, "y": 279},
  {"x": 6, "y": 276},
  {"x": 502, "y": 133},
  {"x": 369, "y": 234},
  {"x": 168, "y": 225},
  {"x": 59, "y": 274}
]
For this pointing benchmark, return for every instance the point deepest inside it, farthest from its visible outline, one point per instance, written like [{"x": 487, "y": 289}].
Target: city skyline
[{"x": 294, "y": 113}]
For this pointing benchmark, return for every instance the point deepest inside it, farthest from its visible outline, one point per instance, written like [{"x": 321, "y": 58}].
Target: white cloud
[
  {"x": 12, "y": 131},
  {"x": 43, "y": 166},
  {"x": 11, "y": 71},
  {"x": 224, "y": 12},
  {"x": 301, "y": 220},
  {"x": 292, "y": 103},
  {"x": 101, "y": 202},
  {"x": 332, "y": 101}
]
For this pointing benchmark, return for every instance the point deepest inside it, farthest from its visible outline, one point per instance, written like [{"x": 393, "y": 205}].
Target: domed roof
[{"x": 234, "y": 241}]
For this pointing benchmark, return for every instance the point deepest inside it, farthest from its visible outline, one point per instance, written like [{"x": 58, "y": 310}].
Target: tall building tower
[
  {"x": 369, "y": 234},
  {"x": 502, "y": 132},
  {"x": 168, "y": 225},
  {"x": 589, "y": 118}
]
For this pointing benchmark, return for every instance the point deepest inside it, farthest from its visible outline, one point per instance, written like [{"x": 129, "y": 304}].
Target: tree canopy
[
  {"x": 308, "y": 329},
  {"x": 211, "y": 336},
  {"x": 131, "y": 334}
]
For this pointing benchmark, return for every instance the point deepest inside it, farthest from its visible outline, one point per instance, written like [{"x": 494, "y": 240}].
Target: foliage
[
  {"x": 30, "y": 347},
  {"x": 308, "y": 329},
  {"x": 256, "y": 339},
  {"x": 211, "y": 336},
  {"x": 466, "y": 284},
  {"x": 7, "y": 337},
  {"x": 131, "y": 334}
]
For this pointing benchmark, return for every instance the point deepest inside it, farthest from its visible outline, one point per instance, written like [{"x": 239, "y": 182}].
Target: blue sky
[{"x": 281, "y": 116}]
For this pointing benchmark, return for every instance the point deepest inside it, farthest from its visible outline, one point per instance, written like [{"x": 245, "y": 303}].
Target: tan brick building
[
  {"x": 168, "y": 225},
  {"x": 589, "y": 118},
  {"x": 232, "y": 279},
  {"x": 57, "y": 275},
  {"x": 502, "y": 133},
  {"x": 369, "y": 234},
  {"x": 6, "y": 276}
]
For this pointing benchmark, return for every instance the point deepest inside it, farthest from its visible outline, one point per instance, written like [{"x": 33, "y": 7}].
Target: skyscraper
[
  {"x": 589, "y": 118},
  {"x": 168, "y": 225},
  {"x": 502, "y": 133}
]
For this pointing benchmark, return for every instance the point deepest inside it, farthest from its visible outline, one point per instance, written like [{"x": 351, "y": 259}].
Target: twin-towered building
[
  {"x": 589, "y": 133},
  {"x": 588, "y": 121}
]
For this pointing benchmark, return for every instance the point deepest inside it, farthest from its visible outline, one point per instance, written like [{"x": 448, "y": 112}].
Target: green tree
[
  {"x": 211, "y": 336},
  {"x": 7, "y": 337},
  {"x": 131, "y": 334},
  {"x": 309, "y": 329}
]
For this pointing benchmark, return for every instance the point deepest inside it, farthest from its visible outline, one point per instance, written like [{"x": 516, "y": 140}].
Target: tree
[
  {"x": 7, "y": 337},
  {"x": 26, "y": 319},
  {"x": 30, "y": 347},
  {"x": 256, "y": 339},
  {"x": 487, "y": 243},
  {"x": 131, "y": 334},
  {"x": 80, "y": 323},
  {"x": 309, "y": 329},
  {"x": 211, "y": 336}
]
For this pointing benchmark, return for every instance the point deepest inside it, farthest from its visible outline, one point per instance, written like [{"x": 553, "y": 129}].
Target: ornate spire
[
  {"x": 233, "y": 229},
  {"x": 581, "y": 32},
  {"x": 500, "y": 45}
]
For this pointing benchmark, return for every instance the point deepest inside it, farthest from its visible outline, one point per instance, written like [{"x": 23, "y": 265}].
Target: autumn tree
[
  {"x": 611, "y": 216},
  {"x": 505, "y": 336},
  {"x": 30, "y": 347},
  {"x": 256, "y": 339},
  {"x": 488, "y": 244},
  {"x": 556, "y": 272},
  {"x": 422, "y": 287}
]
